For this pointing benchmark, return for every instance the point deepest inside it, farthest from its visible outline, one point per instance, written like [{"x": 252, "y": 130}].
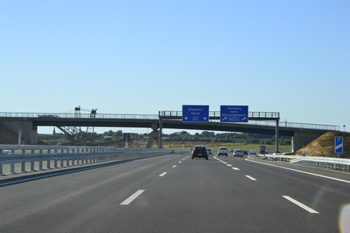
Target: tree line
[{"x": 183, "y": 136}]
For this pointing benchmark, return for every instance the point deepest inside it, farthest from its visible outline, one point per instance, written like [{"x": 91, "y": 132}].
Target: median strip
[
  {"x": 301, "y": 205},
  {"x": 132, "y": 197}
]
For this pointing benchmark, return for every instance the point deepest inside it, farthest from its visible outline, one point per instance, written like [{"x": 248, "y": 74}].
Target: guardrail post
[
  {"x": 12, "y": 168},
  {"x": 23, "y": 167}
]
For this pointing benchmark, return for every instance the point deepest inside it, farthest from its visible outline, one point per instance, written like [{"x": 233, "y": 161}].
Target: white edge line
[
  {"x": 132, "y": 197},
  {"x": 250, "y": 177},
  {"x": 163, "y": 174},
  {"x": 301, "y": 205},
  {"x": 308, "y": 173}
]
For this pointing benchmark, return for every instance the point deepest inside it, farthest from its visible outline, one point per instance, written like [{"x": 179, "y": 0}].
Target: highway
[{"x": 174, "y": 193}]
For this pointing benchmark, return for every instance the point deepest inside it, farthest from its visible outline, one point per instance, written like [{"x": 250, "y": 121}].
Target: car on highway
[
  {"x": 238, "y": 153},
  {"x": 210, "y": 152},
  {"x": 222, "y": 151},
  {"x": 252, "y": 152},
  {"x": 200, "y": 152}
]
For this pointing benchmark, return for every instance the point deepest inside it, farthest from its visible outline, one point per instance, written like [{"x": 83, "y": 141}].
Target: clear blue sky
[{"x": 140, "y": 57}]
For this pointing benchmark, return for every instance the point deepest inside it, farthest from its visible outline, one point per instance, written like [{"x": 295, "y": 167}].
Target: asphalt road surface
[{"x": 174, "y": 193}]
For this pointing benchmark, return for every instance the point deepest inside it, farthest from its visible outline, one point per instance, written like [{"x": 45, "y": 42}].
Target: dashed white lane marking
[
  {"x": 132, "y": 197},
  {"x": 229, "y": 165},
  {"x": 163, "y": 174},
  {"x": 250, "y": 177},
  {"x": 295, "y": 170},
  {"x": 236, "y": 168},
  {"x": 308, "y": 209},
  {"x": 174, "y": 165},
  {"x": 179, "y": 161}
]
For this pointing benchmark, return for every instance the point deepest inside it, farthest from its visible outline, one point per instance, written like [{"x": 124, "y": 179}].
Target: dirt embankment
[
  {"x": 324, "y": 146},
  {"x": 7, "y": 136}
]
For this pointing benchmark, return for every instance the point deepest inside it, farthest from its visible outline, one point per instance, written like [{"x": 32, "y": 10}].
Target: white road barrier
[{"x": 324, "y": 162}]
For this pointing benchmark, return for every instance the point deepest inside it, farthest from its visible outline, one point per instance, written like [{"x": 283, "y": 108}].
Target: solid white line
[
  {"x": 236, "y": 168},
  {"x": 250, "y": 177},
  {"x": 132, "y": 197},
  {"x": 295, "y": 170},
  {"x": 308, "y": 209},
  {"x": 174, "y": 165},
  {"x": 163, "y": 174}
]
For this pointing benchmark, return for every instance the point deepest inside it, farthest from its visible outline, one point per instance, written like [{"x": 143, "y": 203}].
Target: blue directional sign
[
  {"x": 233, "y": 113},
  {"x": 339, "y": 145},
  {"x": 195, "y": 113}
]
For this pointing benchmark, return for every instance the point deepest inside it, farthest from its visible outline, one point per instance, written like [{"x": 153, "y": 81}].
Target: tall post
[
  {"x": 160, "y": 143},
  {"x": 276, "y": 135}
]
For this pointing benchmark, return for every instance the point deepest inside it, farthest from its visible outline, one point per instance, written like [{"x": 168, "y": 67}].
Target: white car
[
  {"x": 222, "y": 151},
  {"x": 238, "y": 153}
]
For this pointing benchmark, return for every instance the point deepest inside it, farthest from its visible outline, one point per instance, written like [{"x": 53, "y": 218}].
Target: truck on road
[{"x": 264, "y": 150}]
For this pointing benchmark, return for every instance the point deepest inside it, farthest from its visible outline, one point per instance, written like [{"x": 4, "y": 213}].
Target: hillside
[
  {"x": 324, "y": 146},
  {"x": 7, "y": 136}
]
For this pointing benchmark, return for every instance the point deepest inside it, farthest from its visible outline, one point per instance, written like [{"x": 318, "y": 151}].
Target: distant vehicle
[
  {"x": 6, "y": 152},
  {"x": 200, "y": 152},
  {"x": 222, "y": 151},
  {"x": 252, "y": 152},
  {"x": 245, "y": 152},
  {"x": 210, "y": 152},
  {"x": 238, "y": 153},
  {"x": 232, "y": 150},
  {"x": 264, "y": 150}
]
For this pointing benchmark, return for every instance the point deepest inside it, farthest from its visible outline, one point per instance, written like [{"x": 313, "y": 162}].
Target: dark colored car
[
  {"x": 200, "y": 152},
  {"x": 210, "y": 152}
]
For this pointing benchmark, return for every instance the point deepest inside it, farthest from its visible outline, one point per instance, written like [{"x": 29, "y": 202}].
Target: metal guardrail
[
  {"x": 216, "y": 114},
  {"x": 81, "y": 115},
  {"x": 324, "y": 162},
  {"x": 35, "y": 158}
]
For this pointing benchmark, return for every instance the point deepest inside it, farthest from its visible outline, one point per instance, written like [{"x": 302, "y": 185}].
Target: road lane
[
  {"x": 326, "y": 196},
  {"x": 207, "y": 196},
  {"x": 194, "y": 196},
  {"x": 61, "y": 203}
]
